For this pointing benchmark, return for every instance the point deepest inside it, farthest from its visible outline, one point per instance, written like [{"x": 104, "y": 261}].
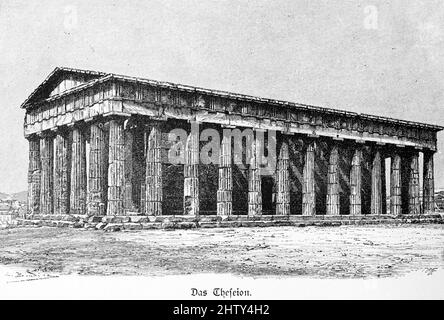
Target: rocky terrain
[{"x": 317, "y": 252}]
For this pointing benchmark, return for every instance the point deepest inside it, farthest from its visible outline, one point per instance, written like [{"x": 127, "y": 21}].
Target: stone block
[
  {"x": 204, "y": 219},
  {"x": 78, "y": 224},
  {"x": 186, "y": 225},
  {"x": 64, "y": 224},
  {"x": 229, "y": 224},
  {"x": 151, "y": 225},
  {"x": 139, "y": 219},
  {"x": 100, "y": 226},
  {"x": 185, "y": 218},
  {"x": 282, "y": 223},
  {"x": 113, "y": 227},
  {"x": 132, "y": 226},
  {"x": 95, "y": 219},
  {"x": 208, "y": 224},
  {"x": 156, "y": 218},
  {"x": 168, "y": 225}
]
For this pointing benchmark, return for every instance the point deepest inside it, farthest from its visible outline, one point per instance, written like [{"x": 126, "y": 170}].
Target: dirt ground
[{"x": 316, "y": 252}]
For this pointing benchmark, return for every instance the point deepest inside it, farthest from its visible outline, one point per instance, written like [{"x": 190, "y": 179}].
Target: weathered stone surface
[
  {"x": 65, "y": 224},
  {"x": 34, "y": 174},
  {"x": 117, "y": 223},
  {"x": 414, "y": 205},
  {"x": 116, "y": 219},
  {"x": 191, "y": 173},
  {"x": 77, "y": 200},
  {"x": 100, "y": 225},
  {"x": 153, "y": 174},
  {"x": 229, "y": 224},
  {"x": 355, "y": 183},
  {"x": 333, "y": 204},
  {"x": 208, "y": 224},
  {"x": 225, "y": 179},
  {"x": 62, "y": 173},
  {"x": 139, "y": 219},
  {"x": 113, "y": 227},
  {"x": 116, "y": 173},
  {"x": 132, "y": 226},
  {"x": 151, "y": 225},
  {"x": 395, "y": 185},
  {"x": 205, "y": 219},
  {"x": 98, "y": 170},
  {"x": 254, "y": 183},
  {"x": 283, "y": 180},
  {"x": 308, "y": 185},
  {"x": 186, "y": 225},
  {"x": 47, "y": 177},
  {"x": 428, "y": 184},
  {"x": 377, "y": 197}
]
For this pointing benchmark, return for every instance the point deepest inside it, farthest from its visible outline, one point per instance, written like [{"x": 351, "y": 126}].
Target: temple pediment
[{"x": 60, "y": 80}]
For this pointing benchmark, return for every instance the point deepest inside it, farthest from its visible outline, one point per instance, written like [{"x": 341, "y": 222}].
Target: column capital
[
  {"x": 131, "y": 123},
  {"x": 32, "y": 136},
  {"x": 63, "y": 129},
  {"x": 96, "y": 119},
  {"x": 81, "y": 125},
  {"x": 150, "y": 122},
  {"x": 46, "y": 134},
  {"x": 429, "y": 151},
  {"x": 115, "y": 117}
]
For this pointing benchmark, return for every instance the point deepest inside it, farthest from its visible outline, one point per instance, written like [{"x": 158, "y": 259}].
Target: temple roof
[
  {"x": 59, "y": 74},
  {"x": 51, "y": 88}
]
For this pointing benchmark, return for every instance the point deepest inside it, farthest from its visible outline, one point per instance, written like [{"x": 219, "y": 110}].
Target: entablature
[{"x": 117, "y": 95}]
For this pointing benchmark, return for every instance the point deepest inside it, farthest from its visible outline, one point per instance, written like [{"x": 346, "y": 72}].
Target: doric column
[
  {"x": 153, "y": 176},
  {"x": 355, "y": 183},
  {"x": 61, "y": 173},
  {"x": 191, "y": 174},
  {"x": 143, "y": 197},
  {"x": 308, "y": 185},
  {"x": 142, "y": 203},
  {"x": 283, "y": 180},
  {"x": 413, "y": 184},
  {"x": 138, "y": 166},
  {"x": 395, "y": 185},
  {"x": 98, "y": 170},
  {"x": 34, "y": 172},
  {"x": 225, "y": 182},
  {"x": 377, "y": 197},
  {"x": 128, "y": 191},
  {"x": 428, "y": 183},
  {"x": 333, "y": 204},
  {"x": 383, "y": 185},
  {"x": 254, "y": 183},
  {"x": 116, "y": 172},
  {"x": 47, "y": 177},
  {"x": 77, "y": 200}
]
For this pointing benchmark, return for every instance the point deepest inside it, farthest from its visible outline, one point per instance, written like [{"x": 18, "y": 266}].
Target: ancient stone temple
[{"x": 145, "y": 154}]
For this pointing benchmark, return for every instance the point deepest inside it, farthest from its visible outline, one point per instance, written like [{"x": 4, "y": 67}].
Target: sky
[{"x": 379, "y": 57}]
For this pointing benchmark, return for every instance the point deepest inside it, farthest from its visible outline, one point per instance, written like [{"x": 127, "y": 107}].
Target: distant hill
[
  {"x": 4, "y": 196},
  {"x": 20, "y": 196}
]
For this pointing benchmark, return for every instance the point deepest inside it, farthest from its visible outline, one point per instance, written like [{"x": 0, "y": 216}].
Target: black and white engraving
[{"x": 137, "y": 173}]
